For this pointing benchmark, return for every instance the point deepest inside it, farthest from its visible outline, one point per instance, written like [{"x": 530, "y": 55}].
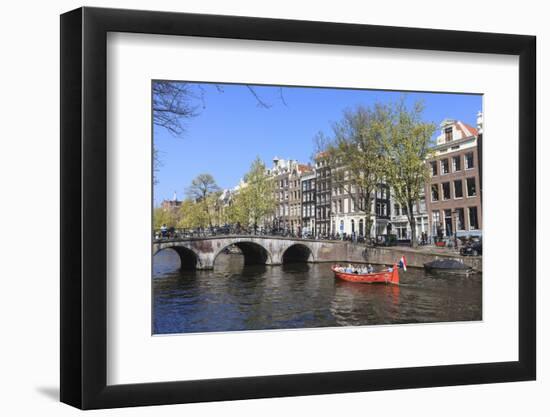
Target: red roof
[
  {"x": 466, "y": 129},
  {"x": 304, "y": 167}
]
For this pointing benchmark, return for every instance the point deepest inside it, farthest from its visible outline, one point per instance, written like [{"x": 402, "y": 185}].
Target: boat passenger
[
  {"x": 390, "y": 269},
  {"x": 370, "y": 269}
]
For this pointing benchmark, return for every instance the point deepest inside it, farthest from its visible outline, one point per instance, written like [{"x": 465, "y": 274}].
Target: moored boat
[
  {"x": 382, "y": 277},
  {"x": 448, "y": 266}
]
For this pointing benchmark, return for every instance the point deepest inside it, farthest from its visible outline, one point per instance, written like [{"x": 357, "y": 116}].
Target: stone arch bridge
[{"x": 201, "y": 252}]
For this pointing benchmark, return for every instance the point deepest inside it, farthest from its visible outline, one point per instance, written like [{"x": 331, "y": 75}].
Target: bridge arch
[
  {"x": 297, "y": 252},
  {"x": 254, "y": 253},
  {"x": 189, "y": 260}
]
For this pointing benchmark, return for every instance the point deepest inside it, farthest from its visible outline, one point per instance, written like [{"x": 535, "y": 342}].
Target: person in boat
[
  {"x": 389, "y": 269},
  {"x": 370, "y": 269}
]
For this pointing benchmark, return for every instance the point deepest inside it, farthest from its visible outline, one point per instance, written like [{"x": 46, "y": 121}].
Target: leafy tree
[
  {"x": 355, "y": 154},
  {"x": 255, "y": 200},
  {"x": 407, "y": 147},
  {"x": 215, "y": 208},
  {"x": 192, "y": 215},
  {"x": 164, "y": 216}
]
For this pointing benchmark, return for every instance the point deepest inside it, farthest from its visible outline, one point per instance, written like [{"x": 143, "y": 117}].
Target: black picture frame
[{"x": 84, "y": 207}]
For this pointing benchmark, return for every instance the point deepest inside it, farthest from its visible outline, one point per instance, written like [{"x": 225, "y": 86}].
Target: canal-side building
[
  {"x": 348, "y": 218},
  {"x": 382, "y": 211},
  {"x": 279, "y": 173},
  {"x": 453, "y": 198},
  {"x": 322, "y": 195},
  {"x": 295, "y": 195},
  {"x": 286, "y": 175},
  {"x": 400, "y": 225},
  {"x": 348, "y": 207},
  {"x": 308, "y": 202}
]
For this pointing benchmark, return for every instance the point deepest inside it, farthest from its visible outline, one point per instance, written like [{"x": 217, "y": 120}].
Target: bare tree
[
  {"x": 173, "y": 102},
  {"x": 201, "y": 187},
  {"x": 172, "y": 105}
]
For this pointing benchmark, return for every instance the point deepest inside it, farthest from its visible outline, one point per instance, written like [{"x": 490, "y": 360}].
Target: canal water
[{"x": 237, "y": 297}]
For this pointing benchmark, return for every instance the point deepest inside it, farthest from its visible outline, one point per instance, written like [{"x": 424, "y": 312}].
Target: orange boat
[{"x": 383, "y": 277}]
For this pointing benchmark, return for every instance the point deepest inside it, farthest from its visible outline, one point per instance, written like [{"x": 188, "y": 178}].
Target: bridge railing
[
  {"x": 181, "y": 233},
  {"x": 178, "y": 233}
]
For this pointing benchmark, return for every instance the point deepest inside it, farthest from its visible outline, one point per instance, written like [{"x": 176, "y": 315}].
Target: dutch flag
[{"x": 403, "y": 263}]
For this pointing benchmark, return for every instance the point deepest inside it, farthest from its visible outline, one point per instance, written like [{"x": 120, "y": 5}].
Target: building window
[
  {"x": 381, "y": 209},
  {"x": 444, "y": 166},
  {"x": 435, "y": 221},
  {"x": 435, "y": 192},
  {"x": 405, "y": 211},
  {"x": 460, "y": 219},
  {"x": 433, "y": 165},
  {"x": 422, "y": 203},
  {"x": 471, "y": 186},
  {"x": 446, "y": 187},
  {"x": 469, "y": 160},
  {"x": 448, "y": 222},
  {"x": 472, "y": 214},
  {"x": 458, "y": 189},
  {"x": 456, "y": 163},
  {"x": 448, "y": 134},
  {"x": 396, "y": 209}
]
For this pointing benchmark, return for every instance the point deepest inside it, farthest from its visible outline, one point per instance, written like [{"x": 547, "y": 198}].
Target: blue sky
[{"x": 231, "y": 129}]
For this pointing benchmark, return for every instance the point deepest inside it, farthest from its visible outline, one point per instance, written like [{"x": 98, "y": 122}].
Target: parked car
[{"x": 472, "y": 248}]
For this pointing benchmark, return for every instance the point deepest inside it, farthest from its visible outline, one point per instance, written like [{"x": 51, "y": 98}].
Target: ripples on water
[{"x": 234, "y": 297}]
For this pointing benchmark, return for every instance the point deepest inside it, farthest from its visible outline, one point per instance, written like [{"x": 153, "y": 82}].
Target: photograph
[{"x": 298, "y": 207}]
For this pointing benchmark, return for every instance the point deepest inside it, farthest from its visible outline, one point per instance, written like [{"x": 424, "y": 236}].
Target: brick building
[
  {"x": 323, "y": 194},
  {"x": 286, "y": 174},
  {"x": 453, "y": 193},
  {"x": 308, "y": 202},
  {"x": 173, "y": 204}
]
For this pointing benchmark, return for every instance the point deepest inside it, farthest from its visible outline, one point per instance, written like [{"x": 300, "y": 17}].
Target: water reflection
[{"x": 299, "y": 295}]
